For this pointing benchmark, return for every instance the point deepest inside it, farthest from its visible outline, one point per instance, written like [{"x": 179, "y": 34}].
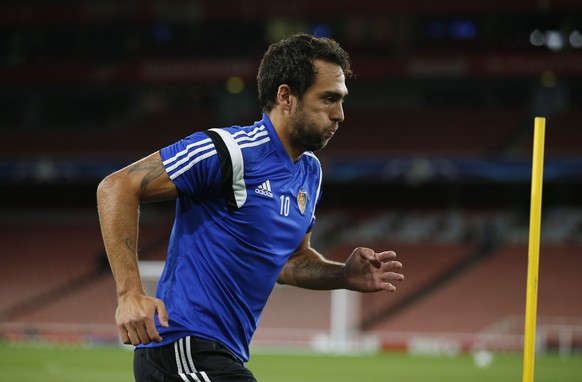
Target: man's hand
[
  {"x": 368, "y": 271},
  {"x": 135, "y": 319}
]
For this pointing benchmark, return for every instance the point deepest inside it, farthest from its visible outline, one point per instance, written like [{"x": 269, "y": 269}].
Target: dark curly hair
[{"x": 290, "y": 61}]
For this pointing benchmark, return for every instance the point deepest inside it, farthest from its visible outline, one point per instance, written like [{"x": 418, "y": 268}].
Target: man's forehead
[
  {"x": 330, "y": 78},
  {"x": 328, "y": 68}
]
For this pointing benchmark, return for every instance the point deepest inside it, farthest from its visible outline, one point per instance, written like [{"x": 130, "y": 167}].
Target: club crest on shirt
[{"x": 302, "y": 201}]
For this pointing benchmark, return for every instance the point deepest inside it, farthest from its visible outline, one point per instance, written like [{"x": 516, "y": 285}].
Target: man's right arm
[{"x": 118, "y": 198}]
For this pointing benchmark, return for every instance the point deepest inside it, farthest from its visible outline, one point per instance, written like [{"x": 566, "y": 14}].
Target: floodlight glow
[
  {"x": 537, "y": 38},
  {"x": 575, "y": 39},
  {"x": 554, "y": 40}
]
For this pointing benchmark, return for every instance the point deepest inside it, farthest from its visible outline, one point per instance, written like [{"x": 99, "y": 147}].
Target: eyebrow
[{"x": 334, "y": 94}]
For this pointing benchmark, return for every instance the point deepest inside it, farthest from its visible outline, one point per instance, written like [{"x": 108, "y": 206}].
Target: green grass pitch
[{"x": 26, "y": 363}]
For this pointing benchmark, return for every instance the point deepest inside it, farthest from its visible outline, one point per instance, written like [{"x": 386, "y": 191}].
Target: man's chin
[{"x": 318, "y": 147}]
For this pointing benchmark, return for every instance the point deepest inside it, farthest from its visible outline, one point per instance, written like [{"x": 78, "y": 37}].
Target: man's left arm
[{"x": 364, "y": 271}]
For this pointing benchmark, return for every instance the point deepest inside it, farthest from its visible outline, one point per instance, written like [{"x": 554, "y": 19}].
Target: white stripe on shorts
[{"x": 185, "y": 363}]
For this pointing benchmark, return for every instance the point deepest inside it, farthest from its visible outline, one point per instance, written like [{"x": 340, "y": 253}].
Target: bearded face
[
  {"x": 314, "y": 117},
  {"x": 308, "y": 133}
]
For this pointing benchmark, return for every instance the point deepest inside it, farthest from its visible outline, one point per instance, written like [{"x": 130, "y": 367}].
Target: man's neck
[{"x": 281, "y": 125}]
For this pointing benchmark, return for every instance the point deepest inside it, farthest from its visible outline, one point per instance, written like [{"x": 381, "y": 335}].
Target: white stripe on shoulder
[
  {"x": 198, "y": 151},
  {"x": 186, "y": 149},
  {"x": 253, "y": 138},
  {"x": 187, "y": 158},
  {"x": 249, "y": 133},
  {"x": 238, "y": 166},
  {"x": 183, "y": 169},
  {"x": 253, "y": 144}
]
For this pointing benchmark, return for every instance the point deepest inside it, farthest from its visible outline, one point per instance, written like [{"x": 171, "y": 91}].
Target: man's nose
[{"x": 337, "y": 114}]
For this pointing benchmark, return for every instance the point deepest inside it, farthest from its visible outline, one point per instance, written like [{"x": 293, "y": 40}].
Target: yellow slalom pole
[{"x": 534, "y": 249}]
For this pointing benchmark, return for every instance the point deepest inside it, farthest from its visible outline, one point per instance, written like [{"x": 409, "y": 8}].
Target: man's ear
[{"x": 284, "y": 97}]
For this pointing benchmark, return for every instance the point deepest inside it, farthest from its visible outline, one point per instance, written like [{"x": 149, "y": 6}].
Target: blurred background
[{"x": 433, "y": 160}]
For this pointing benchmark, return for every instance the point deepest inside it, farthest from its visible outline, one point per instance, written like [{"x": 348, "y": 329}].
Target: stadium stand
[
  {"x": 459, "y": 132},
  {"x": 57, "y": 272},
  {"x": 457, "y": 286},
  {"x": 44, "y": 257},
  {"x": 493, "y": 292}
]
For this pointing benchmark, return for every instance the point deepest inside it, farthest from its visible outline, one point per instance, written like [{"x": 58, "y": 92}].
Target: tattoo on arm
[
  {"x": 313, "y": 273},
  {"x": 154, "y": 170},
  {"x": 130, "y": 246},
  {"x": 307, "y": 265}
]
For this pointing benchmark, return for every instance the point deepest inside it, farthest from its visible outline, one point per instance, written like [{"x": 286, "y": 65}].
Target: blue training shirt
[{"x": 244, "y": 206}]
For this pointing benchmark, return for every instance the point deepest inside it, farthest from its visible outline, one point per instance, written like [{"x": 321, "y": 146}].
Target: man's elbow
[
  {"x": 283, "y": 278},
  {"x": 113, "y": 187},
  {"x": 105, "y": 188},
  {"x": 286, "y": 277}
]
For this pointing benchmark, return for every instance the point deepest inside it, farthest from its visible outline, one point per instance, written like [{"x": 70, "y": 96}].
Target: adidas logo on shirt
[{"x": 265, "y": 189}]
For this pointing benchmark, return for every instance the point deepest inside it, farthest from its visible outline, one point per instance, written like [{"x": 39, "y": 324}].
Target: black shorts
[{"x": 189, "y": 359}]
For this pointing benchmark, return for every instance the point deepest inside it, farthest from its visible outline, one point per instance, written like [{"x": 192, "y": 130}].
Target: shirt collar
[{"x": 275, "y": 139}]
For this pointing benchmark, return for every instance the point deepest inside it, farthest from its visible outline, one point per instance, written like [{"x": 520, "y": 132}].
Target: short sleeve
[{"x": 192, "y": 164}]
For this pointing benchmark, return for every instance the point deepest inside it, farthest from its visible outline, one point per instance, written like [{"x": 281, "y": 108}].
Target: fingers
[
  {"x": 136, "y": 323},
  {"x": 124, "y": 335},
  {"x": 130, "y": 334},
  {"x": 387, "y": 267},
  {"x": 387, "y": 280},
  {"x": 147, "y": 332},
  {"x": 366, "y": 253},
  {"x": 162, "y": 314},
  {"x": 151, "y": 330},
  {"x": 389, "y": 287},
  {"x": 387, "y": 264},
  {"x": 385, "y": 256},
  {"x": 376, "y": 259},
  {"x": 139, "y": 332}
]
